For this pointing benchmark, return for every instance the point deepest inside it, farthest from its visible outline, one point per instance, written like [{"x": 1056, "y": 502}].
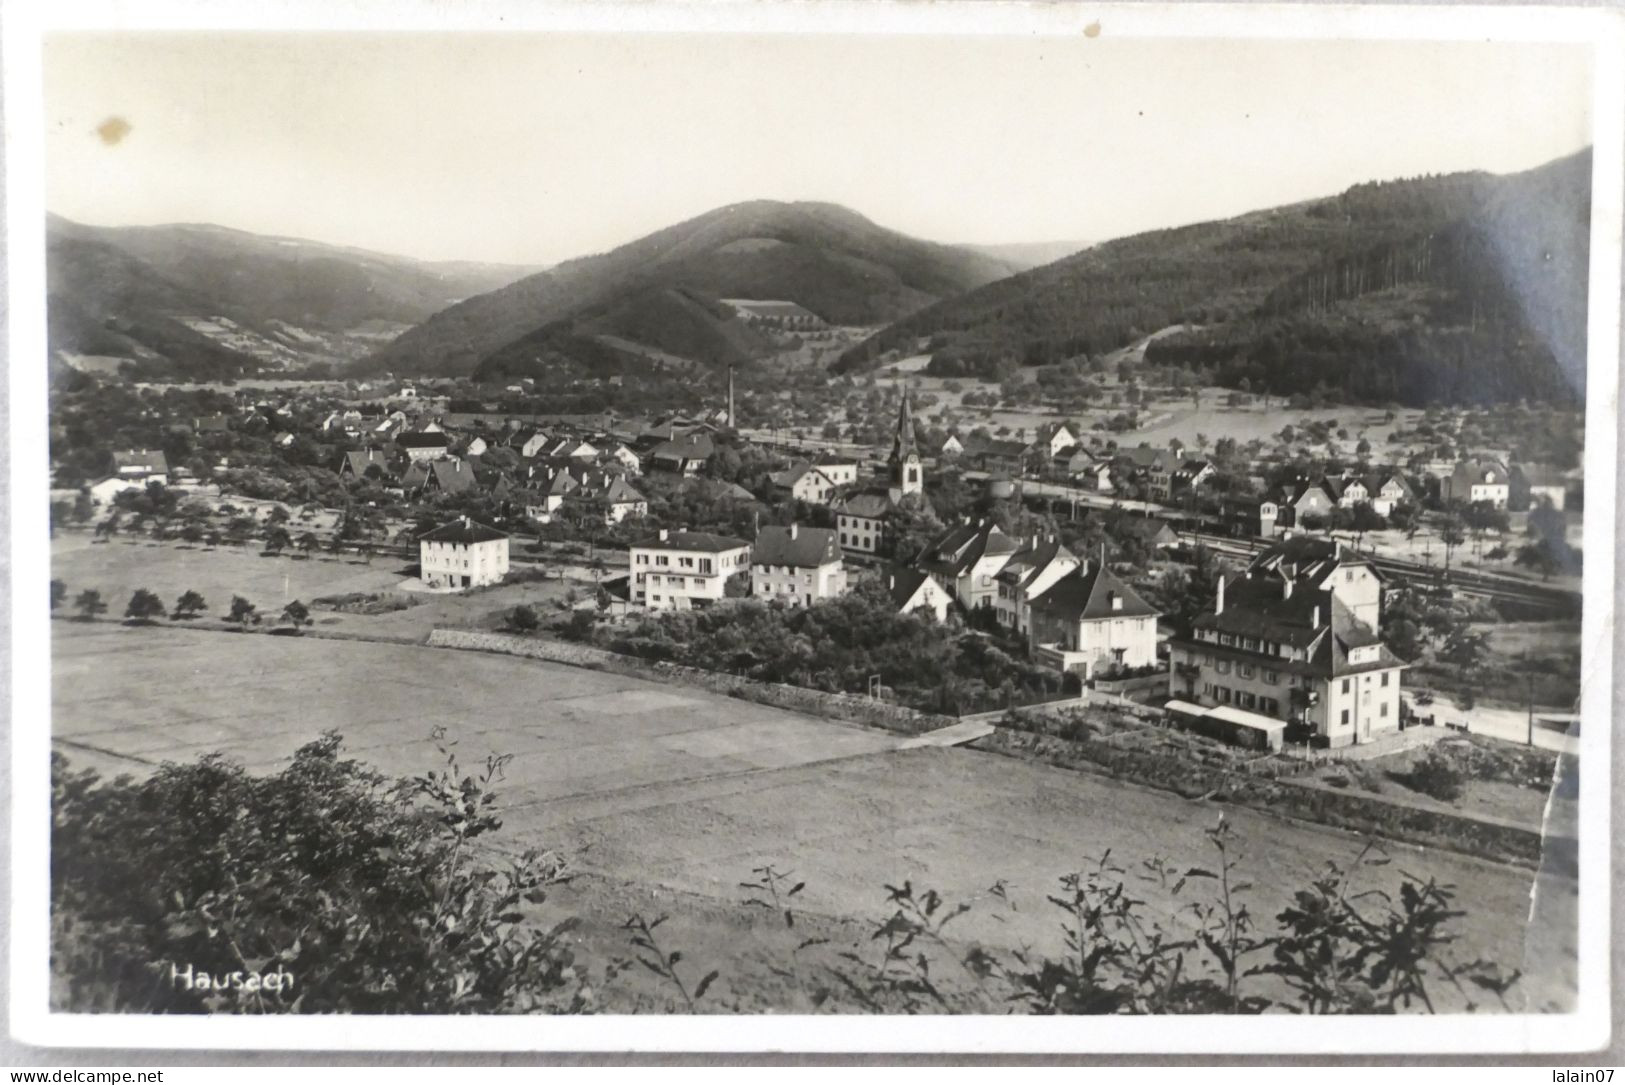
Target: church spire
[
  {"x": 902, "y": 445},
  {"x": 907, "y": 476}
]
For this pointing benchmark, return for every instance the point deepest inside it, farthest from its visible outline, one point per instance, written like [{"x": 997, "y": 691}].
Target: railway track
[{"x": 1559, "y": 601}]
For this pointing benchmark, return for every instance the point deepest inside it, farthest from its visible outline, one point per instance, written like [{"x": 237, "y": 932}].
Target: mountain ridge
[{"x": 831, "y": 260}]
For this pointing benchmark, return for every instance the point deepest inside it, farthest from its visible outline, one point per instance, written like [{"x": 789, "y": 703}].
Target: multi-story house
[
  {"x": 860, "y": 519},
  {"x": 1477, "y": 480},
  {"x": 421, "y": 446},
  {"x": 842, "y": 472},
  {"x": 796, "y": 565},
  {"x": 462, "y": 554},
  {"x": 1190, "y": 475},
  {"x": 1054, "y": 438},
  {"x": 964, "y": 560},
  {"x": 804, "y": 482},
  {"x": 1292, "y": 644},
  {"x": 680, "y": 570},
  {"x": 1089, "y": 622},
  {"x": 1028, "y": 573},
  {"x": 1303, "y": 499}
]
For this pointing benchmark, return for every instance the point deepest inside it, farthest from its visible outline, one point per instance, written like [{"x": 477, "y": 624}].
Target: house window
[
  {"x": 1272, "y": 677},
  {"x": 1383, "y": 711},
  {"x": 1245, "y": 700},
  {"x": 1345, "y": 685},
  {"x": 1244, "y": 670},
  {"x": 1345, "y": 717},
  {"x": 1222, "y": 666},
  {"x": 1384, "y": 678}
]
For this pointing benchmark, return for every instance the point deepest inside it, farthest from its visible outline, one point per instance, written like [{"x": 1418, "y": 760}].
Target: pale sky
[{"x": 535, "y": 148}]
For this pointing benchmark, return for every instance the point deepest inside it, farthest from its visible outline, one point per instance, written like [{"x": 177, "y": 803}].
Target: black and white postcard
[{"x": 812, "y": 527}]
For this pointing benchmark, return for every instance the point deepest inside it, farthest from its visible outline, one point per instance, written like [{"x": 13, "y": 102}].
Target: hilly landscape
[
  {"x": 1461, "y": 288},
  {"x": 661, "y": 295},
  {"x": 202, "y": 302}
]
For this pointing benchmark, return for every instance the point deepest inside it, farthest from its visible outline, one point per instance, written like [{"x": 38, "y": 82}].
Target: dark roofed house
[
  {"x": 143, "y": 465},
  {"x": 685, "y": 456},
  {"x": 425, "y": 446},
  {"x": 462, "y": 554},
  {"x": 679, "y": 570},
  {"x": 1292, "y": 642},
  {"x": 966, "y": 557},
  {"x": 915, "y": 592},
  {"x": 356, "y": 465},
  {"x": 1091, "y": 623},
  {"x": 796, "y": 565}
]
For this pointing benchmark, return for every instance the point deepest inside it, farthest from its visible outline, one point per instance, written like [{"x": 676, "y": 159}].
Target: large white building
[
  {"x": 1292, "y": 643},
  {"x": 681, "y": 570},
  {"x": 462, "y": 554},
  {"x": 796, "y": 565}
]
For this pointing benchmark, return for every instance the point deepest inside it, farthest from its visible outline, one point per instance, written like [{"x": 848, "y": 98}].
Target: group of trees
[
  {"x": 837, "y": 646},
  {"x": 379, "y": 895},
  {"x": 145, "y": 607}
]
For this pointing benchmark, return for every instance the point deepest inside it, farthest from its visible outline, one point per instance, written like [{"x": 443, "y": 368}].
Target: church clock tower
[{"x": 907, "y": 473}]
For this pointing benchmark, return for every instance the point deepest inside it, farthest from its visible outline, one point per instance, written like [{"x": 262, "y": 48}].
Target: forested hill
[
  {"x": 206, "y": 302},
  {"x": 1464, "y": 287},
  {"x": 660, "y": 292}
]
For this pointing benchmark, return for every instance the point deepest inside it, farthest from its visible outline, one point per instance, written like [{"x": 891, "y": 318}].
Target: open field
[
  {"x": 118, "y": 568},
  {"x": 667, "y": 797}
]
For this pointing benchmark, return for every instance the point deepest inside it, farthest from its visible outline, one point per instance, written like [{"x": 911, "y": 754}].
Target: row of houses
[{"x": 1291, "y": 642}]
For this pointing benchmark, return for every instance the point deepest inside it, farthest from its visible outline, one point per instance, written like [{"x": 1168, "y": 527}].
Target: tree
[
  {"x": 1452, "y": 533},
  {"x": 143, "y": 607},
  {"x": 189, "y": 605},
  {"x": 1538, "y": 556},
  {"x": 277, "y": 540},
  {"x": 89, "y": 604},
  {"x": 243, "y": 612},
  {"x": 296, "y": 614},
  {"x": 59, "y": 594},
  {"x": 522, "y": 619},
  {"x": 308, "y": 542}
]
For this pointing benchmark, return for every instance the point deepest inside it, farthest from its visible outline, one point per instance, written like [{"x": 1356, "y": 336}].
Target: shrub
[
  {"x": 1437, "y": 777},
  {"x": 364, "y": 890}
]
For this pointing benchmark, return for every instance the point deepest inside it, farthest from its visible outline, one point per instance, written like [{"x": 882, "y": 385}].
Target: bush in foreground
[{"x": 381, "y": 896}]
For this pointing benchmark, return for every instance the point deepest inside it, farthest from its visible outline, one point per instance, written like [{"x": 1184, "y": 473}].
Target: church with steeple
[
  {"x": 860, "y": 517},
  {"x": 907, "y": 473}
]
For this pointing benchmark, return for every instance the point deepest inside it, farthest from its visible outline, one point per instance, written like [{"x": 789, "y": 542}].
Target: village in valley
[
  {"x": 702, "y": 598},
  {"x": 1269, "y": 596}
]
